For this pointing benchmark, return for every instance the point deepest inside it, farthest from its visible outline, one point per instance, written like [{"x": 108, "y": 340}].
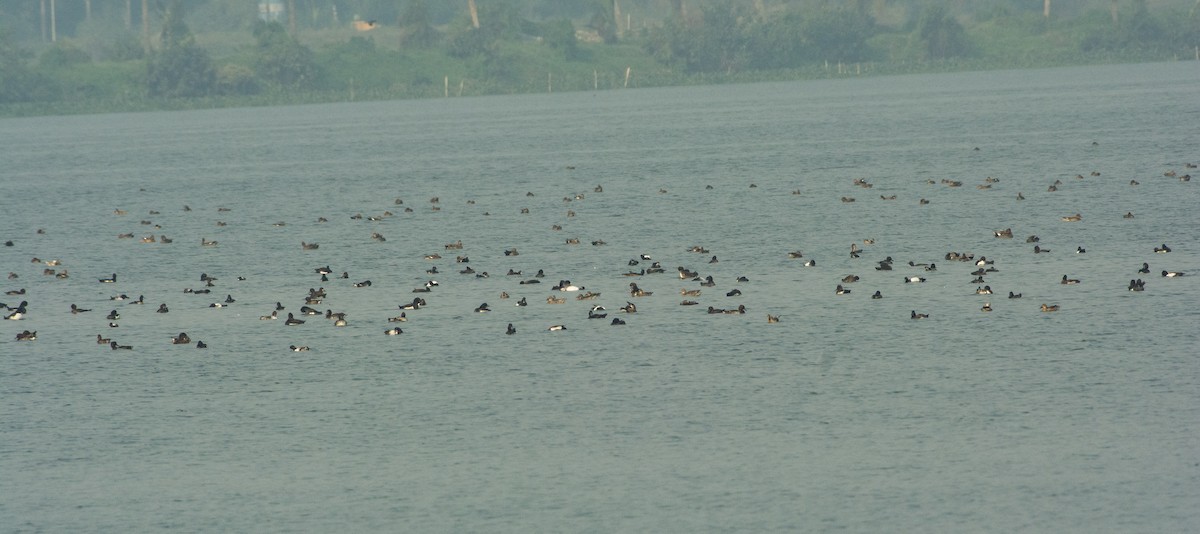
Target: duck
[
  {"x": 229, "y": 299},
  {"x": 309, "y": 246},
  {"x": 877, "y": 295},
  {"x": 916, "y": 315},
  {"x": 685, "y": 273},
  {"x": 1137, "y": 285},
  {"x": 810, "y": 263},
  {"x": 511, "y": 329},
  {"x": 1163, "y": 249},
  {"x": 913, "y": 280},
  {"x": 482, "y": 308},
  {"x": 416, "y": 303},
  {"x": 395, "y": 331},
  {"x": 688, "y": 303},
  {"x": 77, "y": 309},
  {"x": 636, "y": 291},
  {"x": 1171, "y": 274},
  {"x": 708, "y": 282},
  {"x": 850, "y": 278},
  {"x": 617, "y": 321},
  {"x": 795, "y": 254},
  {"x": 556, "y": 328},
  {"x": 522, "y": 302},
  {"x": 398, "y": 319},
  {"x": 734, "y": 293},
  {"x": 595, "y": 312},
  {"x": 115, "y": 346},
  {"x": 292, "y": 320},
  {"x": 1080, "y": 250},
  {"x": 274, "y": 315},
  {"x": 1006, "y": 233},
  {"x": 987, "y": 307},
  {"x": 689, "y": 292},
  {"x": 113, "y": 315},
  {"x": 772, "y": 319},
  {"x": 427, "y": 288},
  {"x": 110, "y": 280},
  {"x": 740, "y": 310},
  {"x": 566, "y": 285},
  {"x": 364, "y": 283},
  {"x": 985, "y": 290},
  {"x": 1012, "y": 295},
  {"x": 101, "y": 340},
  {"x": 302, "y": 348},
  {"x": 162, "y": 308},
  {"x": 1145, "y": 268},
  {"x": 201, "y": 345},
  {"x": 181, "y": 339},
  {"x": 555, "y": 300},
  {"x": 629, "y": 307},
  {"x": 1049, "y": 307},
  {"x": 587, "y": 296},
  {"x": 1068, "y": 281},
  {"x": 1037, "y": 249},
  {"x": 27, "y": 335},
  {"x": 841, "y": 290},
  {"x": 1128, "y": 215},
  {"x": 713, "y": 311},
  {"x": 1072, "y": 218}
]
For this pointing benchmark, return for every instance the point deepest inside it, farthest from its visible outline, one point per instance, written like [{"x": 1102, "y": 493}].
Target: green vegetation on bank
[{"x": 423, "y": 49}]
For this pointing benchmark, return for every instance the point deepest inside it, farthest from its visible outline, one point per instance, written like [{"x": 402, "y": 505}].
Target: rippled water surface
[{"x": 844, "y": 415}]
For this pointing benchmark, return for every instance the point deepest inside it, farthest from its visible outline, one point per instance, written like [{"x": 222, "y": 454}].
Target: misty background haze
[{"x": 108, "y": 55}]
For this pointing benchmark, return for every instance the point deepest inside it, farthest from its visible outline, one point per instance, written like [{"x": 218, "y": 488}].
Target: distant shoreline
[{"x": 665, "y": 77}]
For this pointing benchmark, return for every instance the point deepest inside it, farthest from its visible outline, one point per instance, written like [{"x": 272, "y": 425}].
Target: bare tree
[{"x": 291, "y": 7}]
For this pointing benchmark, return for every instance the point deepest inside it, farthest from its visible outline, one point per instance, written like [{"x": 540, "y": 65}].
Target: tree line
[{"x": 492, "y": 41}]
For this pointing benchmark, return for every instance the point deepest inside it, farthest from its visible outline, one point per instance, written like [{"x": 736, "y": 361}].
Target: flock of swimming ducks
[{"x": 648, "y": 269}]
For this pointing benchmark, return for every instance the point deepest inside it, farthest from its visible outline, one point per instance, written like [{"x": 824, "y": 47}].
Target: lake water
[{"x": 845, "y": 415}]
